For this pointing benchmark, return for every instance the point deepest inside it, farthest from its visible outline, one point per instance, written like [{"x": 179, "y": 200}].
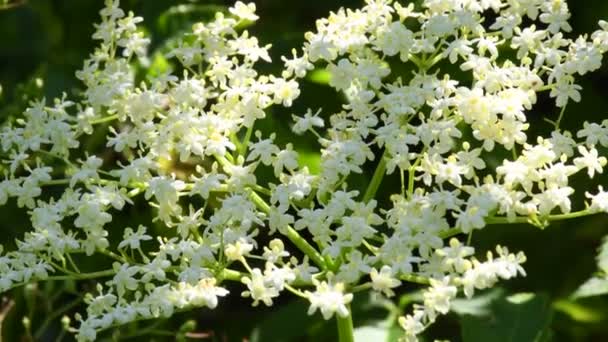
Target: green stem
[
  {"x": 75, "y": 276},
  {"x": 374, "y": 184},
  {"x": 292, "y": 234},
  {"x": 414, "y": 279},
  {"x": 549, "y": 218},
  {"x": 233, "y": 275},
  {"x": 559, "y": 119},
  {"x": 245, "y": 142},
  {"x": 545, "y": 87},
  {"x": 345, "y": 327},
  {"x": 522, "y": 219},
  {"x": 55, "y": 182},
  {"x": 53, "y": 315},
  {"x": 106, "y": 119}
]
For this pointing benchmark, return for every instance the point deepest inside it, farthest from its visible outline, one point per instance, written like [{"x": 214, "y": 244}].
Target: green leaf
[
  {"x": 159, "y": 65},
  {"x": 578, "y": 312},
  {"x": 602, "y": 256},
  {"x": 521, "y": 317},
  {"x": 478, "y": 306},
  {"x": 595, "y": 286},
  {"x": 310, "y": 159},
  {"x": 289, "y": 323}
]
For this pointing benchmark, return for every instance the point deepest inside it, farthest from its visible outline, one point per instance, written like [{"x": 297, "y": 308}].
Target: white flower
[
  {"x": 88, "y": 171},
  {"x": 204, "y": 293},
  {"x": 554, "y": 197},
  {"x": 165, "y": 190},
  {"x": 384, "y": 281},
  {"x": 599, "y": 201},
  {"x": 297, "y": 66},
  {"x": 562, "y": 143},
  {"x": 438, "y": 297},
  {"x": 563, "y": 91},
  {"x": 278, "y": 277},
  {"x": 91, "y": 214},
  {"x": 486, "y": 274},
  {"x": 285, "y": 92},
  {"x": 329, "y": 299},
  {"x": 264, "y": 150},
  {"x": 278, "y": 220},
  {"x": 275, "y": 251},
  {"x": 413, "y": 325},
  {"x": 395, "y": 39},
  {"x": 259, "y": 289},
  {"x": 590, "y": 160},
  {"x": 132, "y": 239},
  {"x": 123, "y": 279},
  {"x": 207, "y": 183},
  {"x": 454, "y": 256},
  {"x": 307, "y": 122},
  {"x": 473, "y": 217},
  {"x": 244, "y": 11},
  {"x": 209, "y": 292},
  {"x": 239, "y": 249},
  {"x": 594, "y": 133},
  {"x": 341, "y": 74},
  {"x": 287, "y": 158}
]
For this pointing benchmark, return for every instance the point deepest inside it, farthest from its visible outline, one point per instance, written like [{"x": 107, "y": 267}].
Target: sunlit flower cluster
[{"x": 403, "y": 116}]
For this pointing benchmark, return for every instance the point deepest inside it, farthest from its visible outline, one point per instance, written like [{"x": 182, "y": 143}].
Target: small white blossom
[
  {"x": 329, "y": 299},
  {"x": 244, "y": 11},
  {"x": 384, "y": 281}
]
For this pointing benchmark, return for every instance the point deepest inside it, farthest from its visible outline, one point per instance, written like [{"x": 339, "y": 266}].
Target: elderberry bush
[{"x": 431, "y": 93}]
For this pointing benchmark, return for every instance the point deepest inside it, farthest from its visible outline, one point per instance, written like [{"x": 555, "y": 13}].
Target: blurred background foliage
[{"x": 42, "y": 44}]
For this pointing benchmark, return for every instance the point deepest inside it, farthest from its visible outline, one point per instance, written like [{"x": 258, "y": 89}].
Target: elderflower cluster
[{"x": 185, "y": 143}]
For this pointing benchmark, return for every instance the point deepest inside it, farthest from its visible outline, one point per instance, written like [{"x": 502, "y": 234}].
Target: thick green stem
[
  {"x": 292, "y": 234},
  {"x": 345, "y": 327},
  {"x": 374, "y": 184}
]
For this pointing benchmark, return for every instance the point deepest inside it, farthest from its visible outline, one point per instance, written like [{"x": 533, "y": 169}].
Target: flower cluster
[{"x": 434, "y": 131}]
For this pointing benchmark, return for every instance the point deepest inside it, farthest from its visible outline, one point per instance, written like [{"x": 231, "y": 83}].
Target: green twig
[
  {"x": 53, "y": 315},
  {"x": 560, "y": 117},
  {"x": 292, "y": 234},
  {"x": 345, "y": 327},
  {"x": 374, "y": 184},
  {"x": 244, "y": 144}
]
